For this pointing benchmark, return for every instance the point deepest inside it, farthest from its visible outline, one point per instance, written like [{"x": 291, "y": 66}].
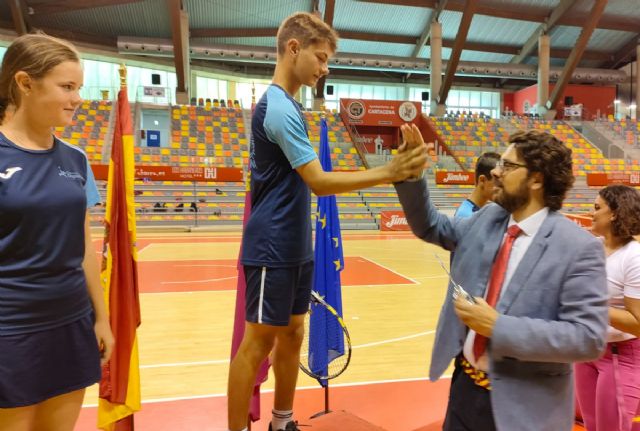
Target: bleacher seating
[
  {"x": 586, "y": 157},
  {"x": 213, "y": 133},
  {"x": 468, "y": 137},
  {"x": 629, "y": 130},
  {"x": 343, "y": 153},
  {"x": 88, "y": 128},
  {"x": 206, "y": 135}
]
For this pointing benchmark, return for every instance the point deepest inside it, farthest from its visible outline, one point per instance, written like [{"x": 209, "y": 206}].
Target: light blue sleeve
[
  {"x": 464, "y": 210},
  {"x": 91, "y": 189},
  {"x": 283, "y": 125}
]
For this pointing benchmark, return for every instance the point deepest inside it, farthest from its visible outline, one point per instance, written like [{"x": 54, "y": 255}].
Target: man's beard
[{"x": 512, "y": 201}]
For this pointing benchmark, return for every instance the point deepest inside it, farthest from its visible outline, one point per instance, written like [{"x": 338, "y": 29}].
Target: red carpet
[{"x": 341, "y": 421}]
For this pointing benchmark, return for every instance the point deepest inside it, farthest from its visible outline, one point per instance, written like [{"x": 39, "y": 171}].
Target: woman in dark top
[{"x": 54, "y": 328}]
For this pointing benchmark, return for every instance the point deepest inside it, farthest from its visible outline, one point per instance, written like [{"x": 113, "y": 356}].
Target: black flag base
[{"x": 326, "y": 403}]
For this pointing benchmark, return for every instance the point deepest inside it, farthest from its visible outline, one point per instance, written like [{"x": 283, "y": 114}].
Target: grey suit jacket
[{"x": 553, "y": 313}]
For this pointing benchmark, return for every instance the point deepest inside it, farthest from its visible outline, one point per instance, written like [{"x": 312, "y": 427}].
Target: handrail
[{"x": 355, "y": 137}]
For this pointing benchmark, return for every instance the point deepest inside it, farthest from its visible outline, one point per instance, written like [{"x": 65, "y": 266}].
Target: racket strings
[{"x": 336, "y": 345}]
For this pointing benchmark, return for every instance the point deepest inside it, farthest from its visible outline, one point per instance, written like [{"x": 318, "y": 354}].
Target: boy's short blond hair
[{"x": 307, "y": 29}]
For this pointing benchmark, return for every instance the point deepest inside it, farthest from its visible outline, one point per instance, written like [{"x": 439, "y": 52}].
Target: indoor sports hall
[{"x": 467, "y": 73}]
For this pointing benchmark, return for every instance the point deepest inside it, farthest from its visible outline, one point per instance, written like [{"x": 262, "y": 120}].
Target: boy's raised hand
[
  {"x": 411, "y": 158},
  {"x": 412, "y": 155}
]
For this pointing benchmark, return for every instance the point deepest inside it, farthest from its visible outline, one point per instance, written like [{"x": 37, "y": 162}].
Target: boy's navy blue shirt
[
  {"x": 278, "y": 232},
  {"x": 44, "y": 196}
]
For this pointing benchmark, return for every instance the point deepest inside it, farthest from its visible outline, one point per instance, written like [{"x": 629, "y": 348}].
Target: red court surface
[
  {"x": 417, "y": 405},
  {"x": 222, "y": 274},
  {"x": 397, "y": 406}
]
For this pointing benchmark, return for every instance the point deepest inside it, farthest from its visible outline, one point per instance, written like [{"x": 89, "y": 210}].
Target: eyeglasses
[{"x": 507, "y": 166}]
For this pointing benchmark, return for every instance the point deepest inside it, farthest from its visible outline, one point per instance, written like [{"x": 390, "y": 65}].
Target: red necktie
[{"x": 498, "y": 273}]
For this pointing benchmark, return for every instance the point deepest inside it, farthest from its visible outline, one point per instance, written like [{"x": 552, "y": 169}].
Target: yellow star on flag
[
  {"x": 337, "y": 263},
  {"x": 336, "y": 241},
  {"x": 323, "y": 220}
]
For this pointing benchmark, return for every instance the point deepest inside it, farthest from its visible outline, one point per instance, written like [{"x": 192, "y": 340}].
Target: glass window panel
[
  {"x": 243, "y": 93},
  {"x": 390, "y": 93},
  {"x": 342, "y": 91},
  {"x": 464, "y": 99},
  {"x": 331, "y": 105},
  {"x": 222, "y": 89},
  {"x": 487, "y": 99},
  {"x": 474, "y": 98},
  {"x": 453, "y": 98}
]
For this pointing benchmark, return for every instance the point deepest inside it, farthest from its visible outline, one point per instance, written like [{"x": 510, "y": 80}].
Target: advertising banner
[
  {"x": 392, "y": 113},
  {"x": 393, "y": 221},
  {"x": 177, "y": 173},
  {"x": 458, "y": 178},
  {"x": 603, "y": 179}
]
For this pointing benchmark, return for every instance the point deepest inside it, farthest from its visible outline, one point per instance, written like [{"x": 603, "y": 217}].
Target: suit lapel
[{"x": 527, "y": 264}]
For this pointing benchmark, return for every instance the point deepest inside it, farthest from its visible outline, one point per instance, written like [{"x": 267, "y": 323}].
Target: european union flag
[{"x": 325, "y": 335}]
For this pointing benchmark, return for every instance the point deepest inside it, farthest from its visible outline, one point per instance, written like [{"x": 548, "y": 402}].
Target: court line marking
[
  {"x": 432, "y": 277},
  {"x": 146, "y": 247},
  {"x": 393, "y": 340},
  {"x": 390, "y": 270},
  {"x": 408, "y": 258},
  {"x": 223, "y": 361},
  {"x": 200, "y": 281},
  {"x": 186, "y": 364},
  {"x": 301, "y": 388}
]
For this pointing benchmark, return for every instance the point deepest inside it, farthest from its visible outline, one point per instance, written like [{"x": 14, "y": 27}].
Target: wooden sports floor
[{"x": 392, "y": 289}]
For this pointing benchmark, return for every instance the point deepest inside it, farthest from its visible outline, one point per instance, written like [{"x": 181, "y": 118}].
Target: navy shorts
[
  {"x": 39, "y": 365},
  {"x": 274, "y": 294}
]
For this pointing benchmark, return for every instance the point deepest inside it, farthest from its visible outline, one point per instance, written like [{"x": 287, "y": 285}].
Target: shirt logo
[
  {"x": 69, "y": 174},
  {"x": 9, "y": 172}
]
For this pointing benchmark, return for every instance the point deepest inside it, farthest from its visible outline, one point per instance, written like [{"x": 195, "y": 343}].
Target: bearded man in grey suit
[{"x": 537, "y": 292}]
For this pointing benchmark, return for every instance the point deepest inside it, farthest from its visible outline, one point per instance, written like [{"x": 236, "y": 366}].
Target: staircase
[{"x": 614, "y": 139}]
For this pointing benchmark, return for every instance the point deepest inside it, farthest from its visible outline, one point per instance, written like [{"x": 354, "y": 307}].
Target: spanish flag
[{"x": 120, "y": 384}]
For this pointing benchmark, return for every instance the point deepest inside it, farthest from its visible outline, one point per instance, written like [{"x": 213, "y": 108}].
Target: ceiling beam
[
  {"x": 426, "y": 33},
  {"x": 454, "y": 58},
  {"x": 395, "y": 38},
  {"x": 104, "y": 42},
  {"x": 234, "y": 32},
  {"x": 543, "y": 28},
  {"x": 532, "y": 14},
  {"x": 329, "y": 12},
  {"x": 606, "y": 23},
  {"x": 377, "y": 37},
  {"x": 180, "y": 33},
  {"x": 47, "y": 7},
  {"x": 20, "y": 17},
  {"x": 625, "y": 54},
  {"x": 576, "y": 53}
]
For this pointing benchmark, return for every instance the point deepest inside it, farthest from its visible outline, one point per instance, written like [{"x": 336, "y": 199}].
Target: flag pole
[
  {"x": 122, "y": 70},
  {"x": 119, "y": 396},
  {"x": 326, "y": 410}
]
